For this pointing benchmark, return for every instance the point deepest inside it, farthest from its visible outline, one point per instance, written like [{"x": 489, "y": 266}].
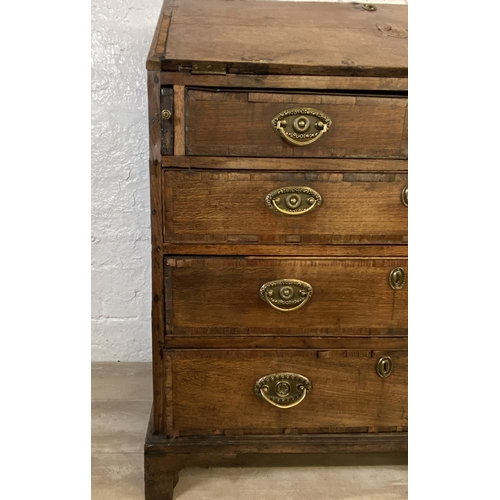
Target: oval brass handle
[
  {"x": 293, "y": 200},
  {"x": 404, "y": 196},
  {"x": 397, "y": 278},
  {"x": 301, "y": 126},
  {"x": 286, "y": 292},
  {"x": 283, "y": 390},
  {"x": 384, "y": 366}
]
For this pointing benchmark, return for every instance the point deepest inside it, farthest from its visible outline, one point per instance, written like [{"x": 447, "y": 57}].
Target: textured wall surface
[
  {"x": 121, "y": 267},
  {"x": 121, "y": 35}
]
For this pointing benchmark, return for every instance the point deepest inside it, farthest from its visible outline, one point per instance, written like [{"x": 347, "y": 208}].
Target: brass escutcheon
[
  {"x": 397, "y": 278},
  {"x": 293, "y": 200},
  {"x": 384, "y": 366},
  {"x": 283, "y": 390},
  {"x": 287, "y": 294},
  {"x": 303, "y": 126},
  {"x": 166, "y": 114},
  {"x": 404, "y": 196}
]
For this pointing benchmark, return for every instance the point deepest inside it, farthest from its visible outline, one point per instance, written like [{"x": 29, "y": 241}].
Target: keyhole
[
  {"x": 384, "y": 367},
  {"x": 397, "y": 278}
]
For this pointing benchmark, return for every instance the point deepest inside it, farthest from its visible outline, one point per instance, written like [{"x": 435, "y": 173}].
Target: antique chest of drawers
[{"x": 279, "y": 195}]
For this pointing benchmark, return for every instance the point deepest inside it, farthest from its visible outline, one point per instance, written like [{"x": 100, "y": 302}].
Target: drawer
[
  {"x": 253, "y": 296},
  {"x": 215, "y": 392},
  {"x": 289, "y": 207},
  {"x": 231, "y": 123}
]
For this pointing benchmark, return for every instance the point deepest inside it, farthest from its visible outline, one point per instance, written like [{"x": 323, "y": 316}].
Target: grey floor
[{"x": 121, "y": 403}]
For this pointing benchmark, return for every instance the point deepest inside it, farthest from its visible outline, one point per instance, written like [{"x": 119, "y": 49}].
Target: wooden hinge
[{"x": 208, "y": 68}]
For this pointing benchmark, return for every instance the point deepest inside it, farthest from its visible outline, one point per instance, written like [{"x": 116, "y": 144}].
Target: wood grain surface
[
  {"x": 292, "y": 82},
  {"x": 239, "y": 124},
  {"x": 215, "y": 243},
  {"x": 157, "y": 260},
  {"x": 220, "y": 296},
  {"x": 288, "y": 249},
  {"x": 179, "y": 125},
  {"x": 212, "y": 391},
  {"x": 280, "y": 342},
  {"x": 340, "y": 165},
  {"x": 228, "y": 207},
  {"x": 318, "y": 38}
]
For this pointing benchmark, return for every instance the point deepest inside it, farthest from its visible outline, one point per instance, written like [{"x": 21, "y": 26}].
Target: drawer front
[
  {"x": 290, "y": 207},
  {"x": 214, "y": 392},
  {"x": 242, "y": 296},
  {"x": 240, "y": 124}
]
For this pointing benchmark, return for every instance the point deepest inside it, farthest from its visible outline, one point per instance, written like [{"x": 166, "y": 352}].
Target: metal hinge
[{"x": 208, "y": 68}]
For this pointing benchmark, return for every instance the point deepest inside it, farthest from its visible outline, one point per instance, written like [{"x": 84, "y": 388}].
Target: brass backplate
[
  {"x": 286, "y": 294},
  {"x": 301, "y": 126},
  {"x": 293, "y": 200},
  {"x": 283, "y": 388}
]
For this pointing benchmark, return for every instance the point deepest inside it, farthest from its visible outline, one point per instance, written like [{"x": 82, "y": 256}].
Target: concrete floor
[{"x": 121, "y": 403}]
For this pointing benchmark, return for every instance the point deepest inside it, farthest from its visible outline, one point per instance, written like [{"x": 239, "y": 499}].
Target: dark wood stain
[{"x": 214, "y": 242}]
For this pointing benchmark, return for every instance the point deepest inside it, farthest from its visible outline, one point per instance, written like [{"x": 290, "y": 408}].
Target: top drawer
[{"x": 269, "y": 124}]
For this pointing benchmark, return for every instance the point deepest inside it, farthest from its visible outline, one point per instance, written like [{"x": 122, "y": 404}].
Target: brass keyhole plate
[
  {"x": 384, "y": 366},
  {"x": 404, "y": 196},
  {"x": 397, "y": 278}
]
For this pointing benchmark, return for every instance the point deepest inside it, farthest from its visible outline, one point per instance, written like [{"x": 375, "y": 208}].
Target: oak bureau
[{"x": 279, "y": 195}]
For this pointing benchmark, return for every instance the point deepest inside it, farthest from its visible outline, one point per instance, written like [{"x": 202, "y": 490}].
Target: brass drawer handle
[
  {"x": 404, "y": 196},
  {"x": 293, "y": 200},
  {"x": 397, "y": 278},
  {"x": 283, "y": 390},
  {"x": 301, "y": 126},
  {"x": 286, "y": 292},
  {"x": 384, "y": 366}
]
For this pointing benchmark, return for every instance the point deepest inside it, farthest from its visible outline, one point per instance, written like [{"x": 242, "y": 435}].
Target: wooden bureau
[{"x": 279, "y": 195}]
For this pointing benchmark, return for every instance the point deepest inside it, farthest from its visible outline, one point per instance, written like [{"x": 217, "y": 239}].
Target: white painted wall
[
  {"x": 121, "y": 267},
  {"x": 121, "y": 35}
]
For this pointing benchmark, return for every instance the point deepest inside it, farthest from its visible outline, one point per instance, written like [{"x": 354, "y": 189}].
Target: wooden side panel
[
  {"x": 158, "y": 303},
  {"x": 213, "y": 392},
  {"x": 228, "y": 207},
  {"x": 220, "y": 296},
  {"x": 239, "y": 124}
]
